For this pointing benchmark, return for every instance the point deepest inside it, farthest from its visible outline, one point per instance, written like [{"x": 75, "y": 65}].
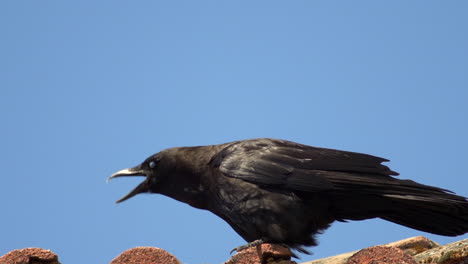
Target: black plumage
[{"x": 278, "y": 191}]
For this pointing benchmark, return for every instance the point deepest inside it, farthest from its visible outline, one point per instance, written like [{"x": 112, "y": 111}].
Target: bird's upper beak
[{"x": 135, "y": 171}]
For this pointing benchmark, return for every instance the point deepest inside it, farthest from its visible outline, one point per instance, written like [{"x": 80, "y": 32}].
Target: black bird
[{"x": 277, "y": 191}]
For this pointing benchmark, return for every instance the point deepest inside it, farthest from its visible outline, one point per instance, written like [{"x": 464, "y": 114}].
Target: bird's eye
[{"x": 152, "y": 164}]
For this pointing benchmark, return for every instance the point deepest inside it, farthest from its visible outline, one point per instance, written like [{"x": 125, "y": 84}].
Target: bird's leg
[
  {"x": 248, "y": 245},
  {"x": 291, "y": 251}
]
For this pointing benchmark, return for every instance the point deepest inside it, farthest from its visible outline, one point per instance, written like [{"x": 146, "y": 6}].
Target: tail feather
[
  {"x": 404, "y": 202},
  {"x": 435, "y": 215}
]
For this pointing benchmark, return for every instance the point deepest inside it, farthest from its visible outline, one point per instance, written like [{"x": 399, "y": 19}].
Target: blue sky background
[{"x": 91, "y": 87}]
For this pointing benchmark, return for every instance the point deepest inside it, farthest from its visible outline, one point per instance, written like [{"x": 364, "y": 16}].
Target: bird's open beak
[{"x": 136, "y": 171}]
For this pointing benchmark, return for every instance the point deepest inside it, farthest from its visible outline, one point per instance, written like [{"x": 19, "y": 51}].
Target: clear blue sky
[{"x": 91, "y": 87}]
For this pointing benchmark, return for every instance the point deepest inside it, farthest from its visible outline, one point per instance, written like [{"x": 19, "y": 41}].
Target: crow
[{"x": 282, "y": 192}]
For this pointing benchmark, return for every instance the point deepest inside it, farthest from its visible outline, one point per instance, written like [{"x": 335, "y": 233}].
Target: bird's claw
[{"x": 248, "y": 245}]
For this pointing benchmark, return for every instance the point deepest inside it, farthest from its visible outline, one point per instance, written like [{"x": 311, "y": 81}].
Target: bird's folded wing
[{"x": 298, "y": 167}]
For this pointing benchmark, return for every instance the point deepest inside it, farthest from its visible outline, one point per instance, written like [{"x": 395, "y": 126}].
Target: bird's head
[
  {"x": 150, "y": 168},
  {"x": 173, "y": 172}
]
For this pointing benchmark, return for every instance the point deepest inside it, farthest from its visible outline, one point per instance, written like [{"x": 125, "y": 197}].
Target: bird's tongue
[{"x": 142, "y": 187}]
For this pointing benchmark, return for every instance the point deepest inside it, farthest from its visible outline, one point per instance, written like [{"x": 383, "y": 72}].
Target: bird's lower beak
[{"x": 136, "y": 171}]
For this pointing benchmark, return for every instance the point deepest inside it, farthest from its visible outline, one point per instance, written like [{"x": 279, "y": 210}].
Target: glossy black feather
[{"x": 295, "y": 166}]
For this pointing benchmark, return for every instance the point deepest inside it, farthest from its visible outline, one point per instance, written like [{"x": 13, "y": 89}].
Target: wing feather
[{"x": 297, "y": 167}]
